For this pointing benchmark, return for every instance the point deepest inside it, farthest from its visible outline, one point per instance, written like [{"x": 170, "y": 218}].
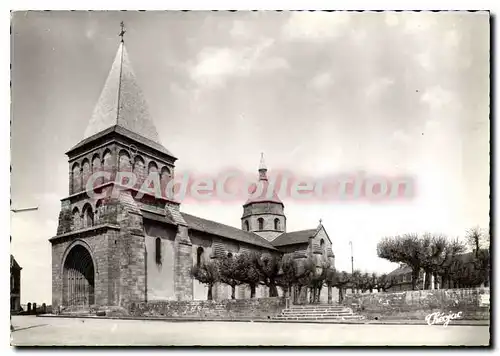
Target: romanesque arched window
[
  {"x": 124, "y": 161},
  {"x": 96, "y": 167},
  {"x": 98, "y": 212},
  {"x": 152, "y": 167},
  {"x": 86, "y": 172},
  {"x": 277, "y": 225},
  {"x": 164, "y": 177},
  {"x": 261, "y": 223},
  {"x": 107, "y": 163},
  {"x": 76, "y": 218},
  {"x": 247, "y": 225},
  {"x": 77, "y": 181},
  {"x": 158, "y": 250},
  {"x": 322, "y": 246},
  {"x": 199, "y": 256},
  {"x": 139, "y": 169},
  {"x": 88, "y": 216}
]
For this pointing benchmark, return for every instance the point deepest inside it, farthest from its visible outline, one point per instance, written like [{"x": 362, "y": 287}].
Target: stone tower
[
  {"x": 263, "y": 213},
  {"x": 98, "y": 254}
]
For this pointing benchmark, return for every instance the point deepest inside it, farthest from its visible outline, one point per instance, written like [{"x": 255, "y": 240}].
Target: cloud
[
  {"x": 321, "y": 80},
  {"x": 215, "y": 65},
  {"x": 438, "y": 98},
  {"x": 417, "y": 22},
  {"x": 378, "y": 86},
  {"x": 316, "y": 25}
]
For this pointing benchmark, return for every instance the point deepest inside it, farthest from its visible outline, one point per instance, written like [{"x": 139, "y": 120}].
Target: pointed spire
[
  {"x": 122, "y": 102},
  {"x": 262, "y": 168}
]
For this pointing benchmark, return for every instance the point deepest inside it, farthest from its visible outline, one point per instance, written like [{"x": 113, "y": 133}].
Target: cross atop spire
[
  {"x": 262, "y": 168},
  {"x": 122, "y": 32}
]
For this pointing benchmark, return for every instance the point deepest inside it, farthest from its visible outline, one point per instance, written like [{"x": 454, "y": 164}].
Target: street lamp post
[{"x": 24, "y": 209}]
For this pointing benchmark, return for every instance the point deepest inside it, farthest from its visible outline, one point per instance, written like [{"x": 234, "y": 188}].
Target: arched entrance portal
[{"x": 78, "y": 278}]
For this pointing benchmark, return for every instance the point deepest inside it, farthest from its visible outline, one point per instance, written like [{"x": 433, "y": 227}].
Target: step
[
  {"x": 318, "y": 315},
  {"x": 346, "y": 318},
  {"x": 318, "y": 309}
]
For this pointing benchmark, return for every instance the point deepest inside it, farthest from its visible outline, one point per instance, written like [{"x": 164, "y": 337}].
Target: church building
[{"x": 122, "y": 249}]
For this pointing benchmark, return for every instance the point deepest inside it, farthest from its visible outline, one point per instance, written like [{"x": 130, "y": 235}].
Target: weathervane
[{"x": 122, "y": 32}]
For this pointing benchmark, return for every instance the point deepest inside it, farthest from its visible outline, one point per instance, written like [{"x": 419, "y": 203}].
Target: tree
[
  {"x": 330, "y": 282},
  {"x": 403, "y": 249},
  {"x": 287, "y": 275},
  {"x": 247, "y": 271},
  {"x": 338, "y": 279},
  {"x": 475, "y": 238},
  {"x": 452, "y": 252},
  {"x": 317, "y": 280},
  {"x": 229, "y": 273},
  {"x": 433, "y": 248},
  {"x": 208, "y": 274},
  {"x": 384, "y": 282},
  {"x": 269, "y": 268}
]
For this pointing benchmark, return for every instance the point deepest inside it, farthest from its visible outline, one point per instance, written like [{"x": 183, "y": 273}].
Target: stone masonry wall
[
  {"x": 418, "y": 304},
  {"x": 222, "y": 309}
]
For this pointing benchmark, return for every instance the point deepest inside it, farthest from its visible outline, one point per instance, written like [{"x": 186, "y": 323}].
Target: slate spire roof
[{"x": 122, "y": 102}]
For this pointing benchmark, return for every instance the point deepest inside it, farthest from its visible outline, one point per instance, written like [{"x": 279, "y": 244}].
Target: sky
[{"x": 319, "y": 93}]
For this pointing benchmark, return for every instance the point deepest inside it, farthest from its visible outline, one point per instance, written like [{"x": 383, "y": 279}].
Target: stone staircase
[{"x": 320, "y": 312}]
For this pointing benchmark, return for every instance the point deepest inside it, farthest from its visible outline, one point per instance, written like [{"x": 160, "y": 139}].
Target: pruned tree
[
  {"x": 329, "y": 281},
  {"x": 247, "y": 271},
  {"x": 384, "y": 282},
  {"x": 289, "y": 273},
  {"x": 317, "y": 279},
  {"x": 403, "y": 249},
  {"x": 269, "y": 267},
  {"x": 453, "y": 250},
  {"x": 208, "y": 274},
  {"x": 229, "y": 274},
  {"x": 338, "y": 279}
]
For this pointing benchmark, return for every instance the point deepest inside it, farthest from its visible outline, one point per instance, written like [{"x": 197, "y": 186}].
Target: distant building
[
  {"x": 401, "y": 277},
  {"x": 15, "y": 285}
]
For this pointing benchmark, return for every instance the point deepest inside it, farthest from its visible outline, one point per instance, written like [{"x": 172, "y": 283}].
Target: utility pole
[
  {"x": 352, "y": 258},
  {"x": 352, "y": 265}
]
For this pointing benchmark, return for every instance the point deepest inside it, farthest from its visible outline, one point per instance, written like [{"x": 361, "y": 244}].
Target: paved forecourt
[{"x": 30, "y": 330}]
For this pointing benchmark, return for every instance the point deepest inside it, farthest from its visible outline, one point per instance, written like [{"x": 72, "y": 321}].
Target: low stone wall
[
  {"x": 472, "y": 303},
  {"x": 260, "y": 308}
]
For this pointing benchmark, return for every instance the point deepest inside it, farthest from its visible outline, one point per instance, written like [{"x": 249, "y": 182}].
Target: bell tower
[
  {"x": 99, "y": 252},
  {"x": 263, "y": 213}
]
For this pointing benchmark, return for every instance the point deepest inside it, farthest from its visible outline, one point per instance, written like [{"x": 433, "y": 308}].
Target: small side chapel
[{"x": 122, "y": 249}]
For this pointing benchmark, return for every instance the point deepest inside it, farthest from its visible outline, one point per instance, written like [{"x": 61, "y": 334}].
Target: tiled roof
[
  {"x": 265, "y": 196},
  {"x": 400, "y": 271},
  {"x": 295, "y": 237},
  {"x": 226, "y": 231},
  {"x": 212, "y": 227}
]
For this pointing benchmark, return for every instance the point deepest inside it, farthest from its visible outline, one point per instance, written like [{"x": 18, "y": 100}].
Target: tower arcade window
[
  {"x": 158, "y": 250},
  {"x": 88, "y": 216},
  {"x": 261, "y": 223},
  {"x": 277, "y": 224},
  {"x": 247, "y": 225}
]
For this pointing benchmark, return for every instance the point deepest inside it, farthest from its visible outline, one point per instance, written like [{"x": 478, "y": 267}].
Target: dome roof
[{"x": 267, "y": 192}]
